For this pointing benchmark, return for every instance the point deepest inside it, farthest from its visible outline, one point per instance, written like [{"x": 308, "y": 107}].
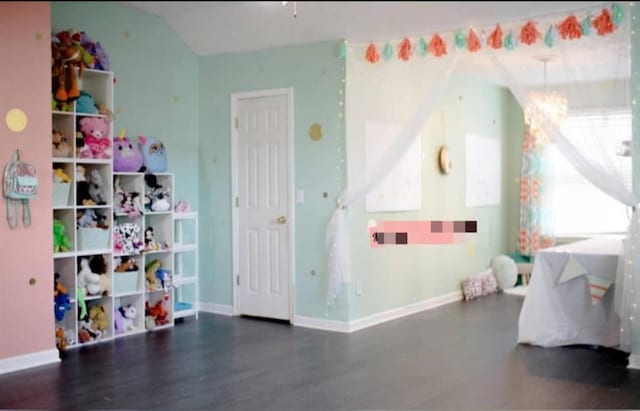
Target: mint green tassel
[
  {"x": 342, "y": 50},
  {"x": 422, "y": 47},
  {"x": 461, "y": 40},
  {"x": 617, "y": 14},
  {"x": 387, "y": 52},
  {"x": 549, "y": 38},
  {"x": 586, "y": 26},
  {"x": 508, "y": 41}
]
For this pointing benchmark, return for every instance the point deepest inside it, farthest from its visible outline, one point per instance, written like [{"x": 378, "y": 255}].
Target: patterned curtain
[{"x": 536, "y": 224}]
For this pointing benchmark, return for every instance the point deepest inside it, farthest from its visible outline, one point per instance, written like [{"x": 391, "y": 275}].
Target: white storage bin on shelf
[
  {"x": 61, "y": 194},
  {"x": 126, "y": 282},
  {"x": 90, "y": 238}
]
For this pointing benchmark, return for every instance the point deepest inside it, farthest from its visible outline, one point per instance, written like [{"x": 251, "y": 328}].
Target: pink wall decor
[{"x": 421, "y": 232}]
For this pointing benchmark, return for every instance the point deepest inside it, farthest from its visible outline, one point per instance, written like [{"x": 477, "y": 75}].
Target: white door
[{"x": 263, "y": 187}]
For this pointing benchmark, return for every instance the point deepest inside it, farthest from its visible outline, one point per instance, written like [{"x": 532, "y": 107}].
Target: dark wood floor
[{"x": 459, "y": 356}]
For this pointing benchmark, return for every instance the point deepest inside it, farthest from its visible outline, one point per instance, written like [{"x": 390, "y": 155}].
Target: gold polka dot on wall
[
  {"x": 126, "y": 34},
  {"x": 315, "y": 132},
  {"x": 32, "y": 281},
  {"x": 38, "y": 36},
  {"x": 16, "y": 120},
  {"x": 118, "y": 110},
  {"x": 175, "y": 99}
]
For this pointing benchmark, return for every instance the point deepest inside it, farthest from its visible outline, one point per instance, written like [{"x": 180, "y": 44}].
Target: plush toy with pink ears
[{"x": 154, "y": 154}]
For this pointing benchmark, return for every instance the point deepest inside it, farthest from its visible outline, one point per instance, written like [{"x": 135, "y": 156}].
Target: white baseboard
[
  {"x": 395, "y": 313},
  {"x": 22, "y": 362},
  {"x": 375, "y": 319},
  {"x": 634, "y": 361},
  {"x": 321, "y": 324},
  {"x": 216, "y": 308}
]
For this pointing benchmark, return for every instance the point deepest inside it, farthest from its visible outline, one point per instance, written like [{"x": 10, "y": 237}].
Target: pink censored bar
[{"x": 421, "y": 232}]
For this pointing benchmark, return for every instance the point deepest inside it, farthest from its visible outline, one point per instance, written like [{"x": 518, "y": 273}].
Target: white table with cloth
[{"x": 570, "y": 299}]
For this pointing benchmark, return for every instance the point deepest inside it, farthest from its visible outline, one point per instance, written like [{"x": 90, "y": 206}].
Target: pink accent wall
[{"x": 26, "y": 311}]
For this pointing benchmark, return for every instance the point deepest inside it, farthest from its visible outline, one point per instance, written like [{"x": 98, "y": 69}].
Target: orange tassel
[
  {"x": 404, "y": 50},
  {"x": 437, "y": 46},
  {"x": 372, "y": 55},
  {"x": 529, "y": 34},
  {"x": 570, "y": 28},
  {"x": 603, "y": 23},
  {"x": 473, "y": 42},
  {"x": 495, "y": 38}
]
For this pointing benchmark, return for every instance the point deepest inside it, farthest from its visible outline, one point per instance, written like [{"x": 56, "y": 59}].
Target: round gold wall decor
[
  {"x": 443, "y": 160},
  {"x": 16, "y": 120},
  {"x": 315, "y": 132}
]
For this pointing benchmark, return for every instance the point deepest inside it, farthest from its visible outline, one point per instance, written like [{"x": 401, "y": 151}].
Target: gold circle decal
[
  {"x": 16, "y": 120},
  {"x": 315, "y": 132},
  {"x": 443, "y": 160}
]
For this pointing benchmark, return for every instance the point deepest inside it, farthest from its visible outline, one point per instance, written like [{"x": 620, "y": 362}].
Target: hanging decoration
[
  {"x": 342, "y": 51},
  {"x": 549, "y": 38},
  {"x": 510, "y": 41},
  {"x": 568, "y": 28},
  {"x": 529, "y": 33},
  {"x": 460, "y": 39},
  {"x": 603, "y": 23},
  {"x": 372, "y": 55},
  {"x": 617, "y": 14},
  {"x": 586, "y": 26},
  {"x": 473, "y": 42},
  {"x": 404, "y": 50},
  {"x": 387, "y": 52},
  {"x": 422, "y": 47},
  {"x": 495, "y": 38},
  {"x": 437, "y": 46}
]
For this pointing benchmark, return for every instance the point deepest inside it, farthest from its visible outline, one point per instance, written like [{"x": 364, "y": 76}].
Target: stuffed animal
[
  {"x": 154, "y": 154},
  {"x": 100, "y": 57},
  {"x": 95, "y": 131},
  {"x": 87, "y": 279},
  {"x": 160, "y": 199},
  {"x": 59, "y": 176},
  {"x": 59, "y": 145},
  {"x": 126, "y": 156},
  {"x": 149, "y": 242},
  {"x": 98, "y": 317},
  {"x": 61, "y": 340},
  {"x": 124, "y": 319},
  {"x": 86, "y": 333},
  {"x": 150, "y": 274},
  {"x": 61, "y": 300},
  {"x": 157, "y": 312},
  {"x": 82, "y": 151},
  {"x": 126, "y": 264},
  {"x": 105, "y": 284},
  {"x": 60, "y": 241},
  {"x": 164, "y": 276},
  {"x": 82, "y": 187},
  {"x": 126, "y": 239},
  {"x": 87, "y": 218},
  {"x": 95, "y": 188},
  {"x": 85, "y": 104}
]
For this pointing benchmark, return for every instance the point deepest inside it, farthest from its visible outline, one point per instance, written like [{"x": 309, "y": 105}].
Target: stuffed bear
[
  {"x": 59, "y": 144},
  {"x": 95, "y": 131},
  {"x": 98, "y": 318},
  {"x": 95, "y": 188},
  {"x": 88, "y": 280},
  {"x": 154, "y": 154},
  {"x": 126, "y": 156}
]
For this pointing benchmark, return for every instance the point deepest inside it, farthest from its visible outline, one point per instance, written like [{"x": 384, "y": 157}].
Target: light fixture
[
  {"x": 295, "y": 8},
  {"x": 544, "y": 106}
]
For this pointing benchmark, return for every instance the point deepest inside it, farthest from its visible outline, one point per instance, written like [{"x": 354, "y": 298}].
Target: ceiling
[{"x": 229, "y": 26}]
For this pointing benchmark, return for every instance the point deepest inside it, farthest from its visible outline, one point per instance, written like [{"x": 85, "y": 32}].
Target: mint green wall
[
  {"x": 513, "y": 143},
  {"x": 156, "y": 92},
  {"x": 396, "y": 276},
  {"x": 315, "y": 74}
]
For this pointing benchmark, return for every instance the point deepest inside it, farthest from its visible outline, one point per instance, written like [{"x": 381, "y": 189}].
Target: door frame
[{"x": 235, "y": 98}]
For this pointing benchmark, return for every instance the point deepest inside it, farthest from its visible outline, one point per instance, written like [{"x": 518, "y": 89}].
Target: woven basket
[
  {"x": 61, "y": 194},
  {"x": 90, "y": 238}
]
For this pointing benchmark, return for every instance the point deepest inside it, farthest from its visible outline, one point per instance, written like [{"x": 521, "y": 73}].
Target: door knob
[{"x": 282, "y": 220}]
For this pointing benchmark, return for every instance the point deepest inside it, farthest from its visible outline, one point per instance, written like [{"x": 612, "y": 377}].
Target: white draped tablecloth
[{"x": 555, "y": 314}]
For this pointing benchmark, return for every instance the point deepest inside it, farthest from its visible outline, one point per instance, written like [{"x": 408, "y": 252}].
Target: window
[{"x": 579, "y": 208}]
